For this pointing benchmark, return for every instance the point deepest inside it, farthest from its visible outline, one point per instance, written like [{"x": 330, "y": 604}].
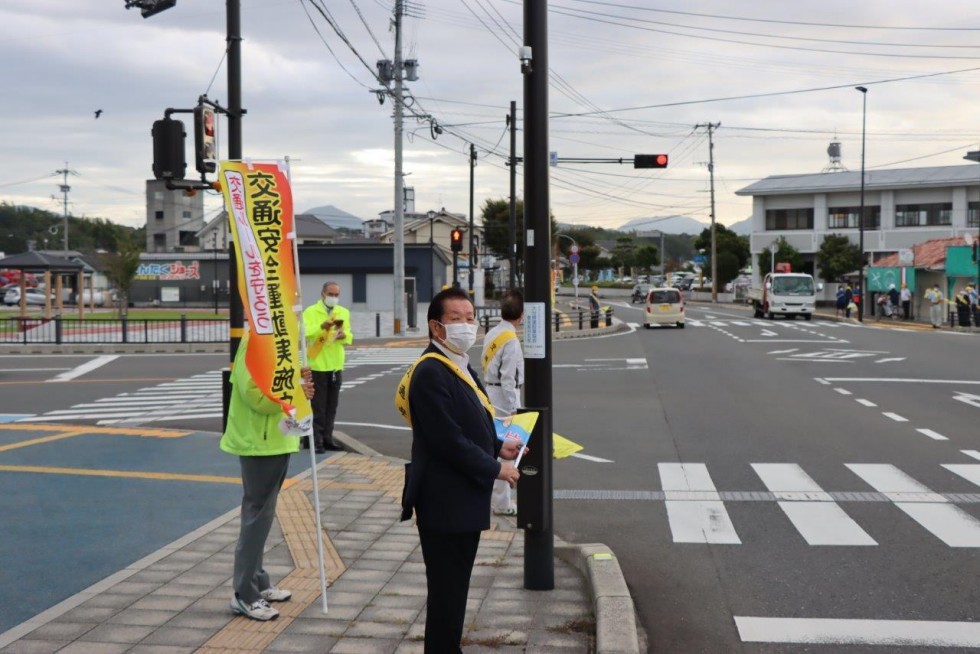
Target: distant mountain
[
  {"x": 667, "y": 224},
  {"x": 336, "y": 218},
  {"x": 742, "y": 227}
]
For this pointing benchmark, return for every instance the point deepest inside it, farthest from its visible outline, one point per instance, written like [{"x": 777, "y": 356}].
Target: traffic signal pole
[{"x": 534, "y": 511}]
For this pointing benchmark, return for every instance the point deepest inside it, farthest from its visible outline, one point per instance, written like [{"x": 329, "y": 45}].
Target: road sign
[
  {"x": 699, "y": 259},
  {"x": 573, "y": 258},
  {"x": 573, "y": 249}
]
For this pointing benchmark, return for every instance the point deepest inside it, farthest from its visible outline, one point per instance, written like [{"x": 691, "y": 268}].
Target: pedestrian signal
[
  {"x": 205, "y": 139},
  {"x": 650, "y": 160},
  {"x": 456, "y": 240}
]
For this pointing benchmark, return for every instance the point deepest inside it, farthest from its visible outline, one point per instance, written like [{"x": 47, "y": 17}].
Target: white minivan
[{"x": 665, "y": 306}]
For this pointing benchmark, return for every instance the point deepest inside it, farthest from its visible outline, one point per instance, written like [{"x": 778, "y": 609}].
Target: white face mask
[
  {"x": 460, "y": 336},
  {"x": 330, "y": 302}
]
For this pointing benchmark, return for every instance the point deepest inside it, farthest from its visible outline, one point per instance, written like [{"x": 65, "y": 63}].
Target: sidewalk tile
[{"x": 117, "y": 633}]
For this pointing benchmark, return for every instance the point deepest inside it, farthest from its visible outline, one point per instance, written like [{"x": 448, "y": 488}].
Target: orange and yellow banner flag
[{"x": 260, "y": 209}]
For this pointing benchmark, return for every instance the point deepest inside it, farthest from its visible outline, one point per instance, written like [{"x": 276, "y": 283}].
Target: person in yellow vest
[
  {"x": 253, "y": 433},
  {"x": 503, "y": 375},
  {"x": 454, "y": 463},
  {"x": 328, "y": 332}
]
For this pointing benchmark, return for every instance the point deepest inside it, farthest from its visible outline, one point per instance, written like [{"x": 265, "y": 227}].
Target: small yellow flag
[{"x": 564, "y": 447}]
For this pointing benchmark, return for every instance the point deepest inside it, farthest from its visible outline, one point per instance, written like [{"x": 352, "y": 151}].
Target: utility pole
[
  {"x": 236, "y": 312},
  {"x": 534, "y": 511},
  {"x": 64, "y": 192},
  {"x": 512, "y": 232},
  {"x": 472, "y": 229},
  {"x": 399, "y": 244},
  {"x": 714, "y": 241}
]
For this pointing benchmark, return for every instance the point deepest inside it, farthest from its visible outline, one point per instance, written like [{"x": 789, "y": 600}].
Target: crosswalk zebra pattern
[
  {"x": 199, "y": 397},
  {"x": 697, "y": 511}
]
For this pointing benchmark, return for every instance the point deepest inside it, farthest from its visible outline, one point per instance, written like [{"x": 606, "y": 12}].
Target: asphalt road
[{"x": 757, "y": 471}]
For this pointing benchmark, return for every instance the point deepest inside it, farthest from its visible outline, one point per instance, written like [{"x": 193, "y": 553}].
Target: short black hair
[
  {"x": 512, "y": 305},
  {"x": 437, "y": 307}
]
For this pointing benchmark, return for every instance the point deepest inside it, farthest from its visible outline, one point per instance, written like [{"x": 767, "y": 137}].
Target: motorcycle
[{"x": 638, "y": 295}]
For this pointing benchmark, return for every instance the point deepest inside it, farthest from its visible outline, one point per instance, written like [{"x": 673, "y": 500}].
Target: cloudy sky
[{"x": 628, "y": 76}]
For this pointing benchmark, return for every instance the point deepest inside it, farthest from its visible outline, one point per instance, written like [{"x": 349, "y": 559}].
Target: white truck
[{"x": 784, "y": 293}]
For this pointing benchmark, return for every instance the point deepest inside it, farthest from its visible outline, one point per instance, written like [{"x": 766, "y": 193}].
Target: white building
[
  {"x": 903, "y": 207},
  {"x": 173, "y": 217}
]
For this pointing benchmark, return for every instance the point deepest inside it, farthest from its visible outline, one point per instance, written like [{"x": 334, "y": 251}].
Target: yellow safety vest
[{"x": 401, "y": 395}]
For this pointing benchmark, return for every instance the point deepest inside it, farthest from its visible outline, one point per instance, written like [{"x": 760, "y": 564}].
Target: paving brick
[
  {"x": 144, "y": 617},
  {"x": 365, "y": 646},
  {"x": 301, "y": 643},
  {"x": 183, "y": 637},
  {"x": 163, "y": 603},
  {"x": 81, "y": 647},
  {"x": 161, "y": 649},
  {"x": 60, "y": 630},
  {"x": 27, "y": 646},
  {"x": 117, "y": 633}
]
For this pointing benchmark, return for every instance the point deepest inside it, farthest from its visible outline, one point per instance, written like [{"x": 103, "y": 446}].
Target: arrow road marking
[{"x": 767, "y": 332}]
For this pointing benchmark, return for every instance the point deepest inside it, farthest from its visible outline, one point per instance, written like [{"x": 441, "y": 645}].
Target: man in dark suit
[{"x": 454, "y": 464}]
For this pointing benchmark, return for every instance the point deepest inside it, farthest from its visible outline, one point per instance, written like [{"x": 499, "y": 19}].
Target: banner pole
[{"x": 298, "y": 309}]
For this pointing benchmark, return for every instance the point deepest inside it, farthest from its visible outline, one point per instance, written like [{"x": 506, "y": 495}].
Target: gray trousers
[{"x": 262, "y": 477}]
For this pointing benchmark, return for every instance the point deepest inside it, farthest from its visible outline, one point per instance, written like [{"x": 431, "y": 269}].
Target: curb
[{"x": 615, "y": 614}]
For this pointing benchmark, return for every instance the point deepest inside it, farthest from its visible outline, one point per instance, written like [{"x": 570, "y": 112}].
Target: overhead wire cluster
[{"x": 466, "y": 120}]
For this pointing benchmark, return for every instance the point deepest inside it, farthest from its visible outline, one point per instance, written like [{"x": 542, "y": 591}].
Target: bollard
[
  {"x": 183, "y": 328},
  {"x": 57, "y": 329},
  {"x": 557, "y": 322},
  {"x": 580, "y": 316},
  {"x": 125, "y": 329},
  {"x": 377, "y": 325},
  {"x": 609, "y": 317},
  {"x": 594, "y": 319}
]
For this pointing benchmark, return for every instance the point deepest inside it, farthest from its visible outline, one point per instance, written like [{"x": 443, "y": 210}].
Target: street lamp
[{"x": 864, "y": 116}]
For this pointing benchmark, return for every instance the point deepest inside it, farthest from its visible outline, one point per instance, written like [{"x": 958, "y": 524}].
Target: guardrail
[
  {"x": 60, "y": 331},
  {"x": 560, "y": 320}
]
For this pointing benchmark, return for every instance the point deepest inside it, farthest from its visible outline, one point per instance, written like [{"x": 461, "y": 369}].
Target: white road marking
[
  {"x": 865, "y": 402},
  {"x": 843, "y": 391},
  {"x": 86, "y": 367},
  {"x": 741, "y": 323},
  {"x": 813, "y": 360},
  {"x": 822, "y": 381},
  {"x": 589, "y": 457},
  {"x": 768, "y": 332},
  {"x": 789, "y": 351},
  {"x": 972, "y": 454},
  {"x": 968, "y": 471},
  {"x": 795, "y": 340},
  {"x": 374, "y": 424},
  {"x": 966, "y": 398},
  {"x": 903, "y": 380},
  {"x": 948, "y": 523},
  {"x": 819, "y": 520},
  {"x": 936, "y": 436},
  {"x": 695, "y": 520},
  {"x": 827, "y": 631},
  {"x": 15, "y": 370},
  {"x": 890, "y": 359},
  {"x": 894, "y": 416}
]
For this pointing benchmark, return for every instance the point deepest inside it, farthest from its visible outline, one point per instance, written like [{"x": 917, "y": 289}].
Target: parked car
[
  {"x": 12, "y": 297},
  {"x": 665, "y": 306}
]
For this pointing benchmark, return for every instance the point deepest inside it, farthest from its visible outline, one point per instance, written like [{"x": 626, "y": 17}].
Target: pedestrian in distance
[
  {"x": 962, "y": 301},
  {"x": 503, "y": 376},
  {"x": 936, "y": 301},
  {"x": 841, "y": 300},
  {"x": 454, "y": 463},
  {"x": 328, "y": 333},
  {"x": 848, "y": 300},
  {"x": 972, "y": 295},
  {"x": 905, "y": 297},
  {"x": 594, "y": 308},
  {"x": 253, "y": 434}
]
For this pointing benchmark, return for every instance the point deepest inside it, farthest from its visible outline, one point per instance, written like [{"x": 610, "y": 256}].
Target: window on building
[
  {"x": 847, "y": 217},
  {"x": 924, "y": 215},
  {"x": 186, "y": 215},
  {"x": 159, "y": 242},
  {"x": 973, "y": 215},
  {"x": 786, "y": 219},
  {"x": 158, "y": 215}
]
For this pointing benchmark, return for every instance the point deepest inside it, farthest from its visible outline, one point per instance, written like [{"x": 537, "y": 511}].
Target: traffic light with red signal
[
  {"x": 456, "y": 240},
  {"x": 650, "y": 160}
]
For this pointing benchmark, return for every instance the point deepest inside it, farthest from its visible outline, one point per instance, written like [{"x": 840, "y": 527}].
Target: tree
[
  {"x": 725, "y": 241},
  {"x": 727, "y": 269},
  {"x": 624, "y": 252},
  {"x": 120, "y": 269},
  {"x": 496, "y": 225},
  {"x": 785, "y": 253},
  {"x": 837, "y": 256},
  {"x": 647, "y": 256}
]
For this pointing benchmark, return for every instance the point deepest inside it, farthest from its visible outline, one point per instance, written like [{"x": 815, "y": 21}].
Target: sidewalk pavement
[{"x": 177, "y": 599}]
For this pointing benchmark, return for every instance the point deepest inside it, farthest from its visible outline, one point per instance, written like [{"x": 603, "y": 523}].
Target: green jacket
[
  {"x": 253, "y": 419},
  {"x": 331, "y": 356}
]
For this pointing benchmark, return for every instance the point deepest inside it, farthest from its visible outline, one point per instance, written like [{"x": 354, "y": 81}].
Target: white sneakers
[
  {"x": 260, "y": 609},
  {"x": 273, "y": 594},
  {"x": 257, "y": 610}
]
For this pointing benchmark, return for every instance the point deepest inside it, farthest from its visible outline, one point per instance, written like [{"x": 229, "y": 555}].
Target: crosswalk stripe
[
  {"x": 948, "y": 523},
  {"x": 968, "y": 471},
  {"x": 818, "y": 519},
  {"x": 695, "y": 520}
]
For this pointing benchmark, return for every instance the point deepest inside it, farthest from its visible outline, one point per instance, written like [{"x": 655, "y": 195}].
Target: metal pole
[
  {"x": 399, "y": 243},
  {"x": 861, "y": 289},
  {"x": 536, "y": 493},
  {"x": 714, "y": 239},
  {"x": 472, "y": 246},
  {"x": 236, "y": 313},
  {"x": 64, "y": 191},
  {"x": 512, "y": 233}
]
